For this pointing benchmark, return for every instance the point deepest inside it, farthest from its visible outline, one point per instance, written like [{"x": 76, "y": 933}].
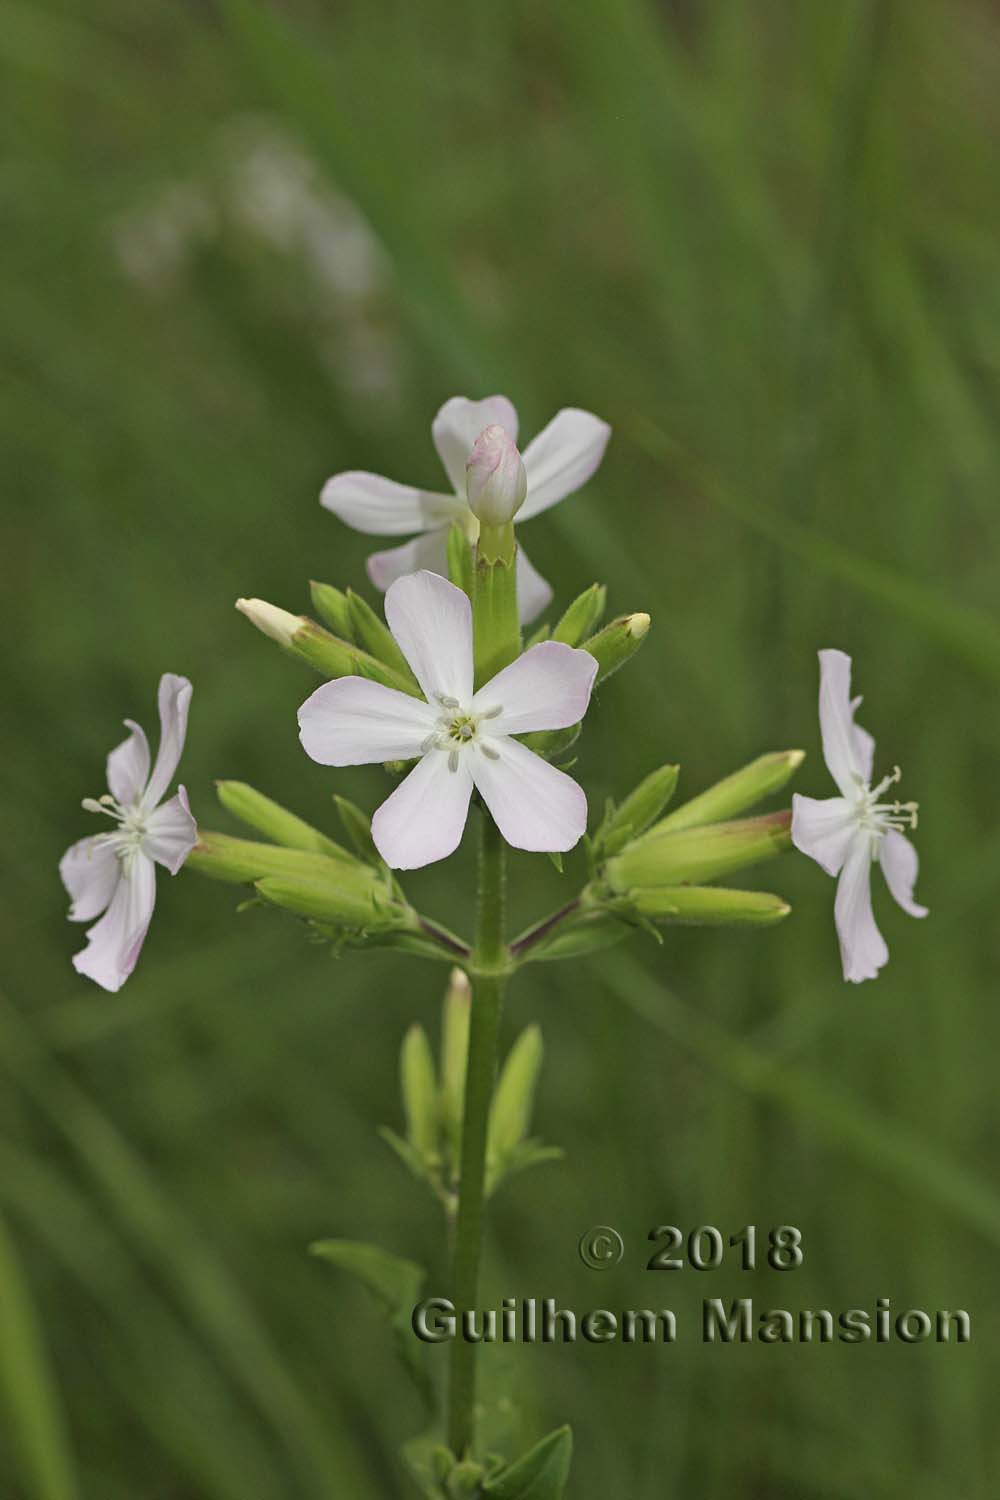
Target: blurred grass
[{"x": 766, "y": 235}]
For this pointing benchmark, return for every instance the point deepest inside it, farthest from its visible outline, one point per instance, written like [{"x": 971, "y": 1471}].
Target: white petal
[
  {"x": 89, "y": 871},
  {"x": 128, "y": 766},
  {"x": 171, "y": 832},
  {"x": 843, "y": 751},
  {"x": 533, "y": 593},
  {"x": 355, "y": 722},
  {"x": 862, "y": 946},
  {"x": 864, "y": 744},
  {"x": 432, "y": 622},
  {"x": 823, "y": 829},
  {"x": 429, "y": 551},
  {"x": 381, "y": 507},
  {"x": 534, "y": 805},
  {"x": 174, "y": 702},
  {"x": 424, "y": 818},
  {"x": 548, "y": 687},
  {"x": 459, "y": 423},
  {"x": 562, "y": 458},
  {"x": 900, "y": 864},
  {"x": 114, "y": 944}
]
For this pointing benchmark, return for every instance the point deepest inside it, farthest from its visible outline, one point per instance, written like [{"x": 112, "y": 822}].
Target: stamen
[
  {"x": 491, "y": 713},
  {"x": 489, "y": 752},
  {"x": 447, "y": 702},
  {"x": 453, "y": 760}
]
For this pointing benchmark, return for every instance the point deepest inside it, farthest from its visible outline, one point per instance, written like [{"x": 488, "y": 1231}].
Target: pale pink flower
[
  {"x": 464, "y": 739},
  {"x": 846, "y": 835},
  {"x": 114, "y": 873},
  {"x": 558, "y": 461}
]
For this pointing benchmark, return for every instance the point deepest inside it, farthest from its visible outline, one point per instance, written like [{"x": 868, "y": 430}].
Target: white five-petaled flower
[
  {"x": 846, "y": 835},
  {"x": 114, "y": 872},
  {"x": 463, "y": 738},
  {"x": 558, "y": 461}
]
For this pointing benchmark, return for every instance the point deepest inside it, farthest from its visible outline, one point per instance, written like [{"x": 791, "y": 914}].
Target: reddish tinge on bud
[{"x": 495, "y": 479}]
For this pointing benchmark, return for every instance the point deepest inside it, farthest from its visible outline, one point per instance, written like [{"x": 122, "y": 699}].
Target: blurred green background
[{"x": 249, "y": 244}]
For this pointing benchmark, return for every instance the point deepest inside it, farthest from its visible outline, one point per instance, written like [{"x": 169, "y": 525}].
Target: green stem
[{"x": 488, "y": 975}]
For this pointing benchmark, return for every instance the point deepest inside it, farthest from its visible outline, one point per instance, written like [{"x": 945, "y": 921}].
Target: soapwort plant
[{"x": 469, "y": 718}]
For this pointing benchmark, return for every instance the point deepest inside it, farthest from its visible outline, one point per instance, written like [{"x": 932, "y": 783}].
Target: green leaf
[
  {"x": 540, "y": 1475},
  {"x": 396, "y": 1284}
]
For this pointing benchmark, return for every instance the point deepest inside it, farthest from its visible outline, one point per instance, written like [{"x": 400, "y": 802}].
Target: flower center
[
  {"x": 457, "y": 728},
  {"x": 127, "y": 838},
  {"x": 878, "y": 817}
]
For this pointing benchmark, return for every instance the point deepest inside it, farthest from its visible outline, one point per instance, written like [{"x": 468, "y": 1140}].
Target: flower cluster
[{"x": 446, "y": 692}]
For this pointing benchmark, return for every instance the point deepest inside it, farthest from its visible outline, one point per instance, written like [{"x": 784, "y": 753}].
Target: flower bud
[
  {"x": 274, "y": 821},
  {"x": 354, "y": 903},
  {"x": 375, "y": 636},
  {"x": 454, "y": 1059},
  {"x": 708, "y": 906},
  {"x": 418, "y": 1083},
  {"x": 743, "y": 789},
  {"x": 612, "y": 647},
  {"x": 637, "y": 811},
  {"x": 698, "y": 854},
  {"x": 270, "y": 620},
  {"x": 510, "y": 1112},
  {"x": 332, "y": 607},
  {"x": 495, "y": 479},
  {"x": 582, "y": 617},
  {"x": 241, "y": 862}
]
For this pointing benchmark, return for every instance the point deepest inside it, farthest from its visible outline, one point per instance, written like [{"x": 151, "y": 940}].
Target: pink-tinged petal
[
  {"x": 533, "y": 593},
  {"x": 534, "y": 805},
  {"x": 432, "y": 622},
  {"x": 862, "y": 947},
  {"x": 381, "y": 507},
  {"x": 864, "y": 744},
  {"x": 171, "y": 832},
  {"x": 128, "y": 766},
  {"x": 424, "y": 818},
  {"x": 562, "y": 458},
  {"x": 842, "y": 748},
  {"x": 548, "y": 687},
  {"x": 900, "y": 864},
  {"x": 355, "y": 722},
  {"x": 174, "y": 702},
  {"x": 429, "y": 552},
  {"x": 823, "y": 829},
  {"x": 89, "y": 870},
  {"x": 459, "y": 423},
  {"x": 114, "y": 944}
]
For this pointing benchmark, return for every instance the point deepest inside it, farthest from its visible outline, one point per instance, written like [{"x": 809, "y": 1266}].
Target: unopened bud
[
  {"x": 583, "y": 616},
  {"x": 510, "y": 1112},
  {"x": 708, "y": 906},
  {"x": 612, "y": 647},
  {"x": 637, "y": 811},
  {"x": 274, "y": 821},
  {"x": 698, "y": 854},
  {"x": 353, "y": 904},
  {"x": 454, "y": 1059},
  {"x": 375, "y": 636},
  {"x": 495, "y": 479},
  {"x": 332, "y": 607},
  {"x": 738, "y": 792},
  {"x": 242, "y": 861},
  {"x": 268, "y": 618},
  {"x": 418, "y": 1083}
]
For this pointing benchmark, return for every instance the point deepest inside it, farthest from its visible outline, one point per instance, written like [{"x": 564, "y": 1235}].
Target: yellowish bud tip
[
  {"x": 458, "y": 983},
  {"x": 268, "y": 618},
  {"x": 638, "y": 625},
  {"x": 795, "y": 758}
]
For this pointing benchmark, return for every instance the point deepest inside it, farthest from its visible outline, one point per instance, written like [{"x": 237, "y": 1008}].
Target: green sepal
[
  {"x": 736, "y": 793},
  {"x": 583, "y": 616},
  {"x": 375, "y": 636},
  {"x": 335, "y": 658},
  {"x": 363, "y": 911},
  {"x": 540, "y": 1475},
  {"x": 697, "y": 855},
  {"x": 596, "y": 931},
  {"x": 527, "y": 1154},
  {"x": 332, "y": 606},
  {"x": 548, "y": 743},
  {"x": 410, "y": 1158},
  {"x": 274, "y": 821},
  {"x": 543, "y": 633},
  {"x": 396, "y": 1284},
  {"x": 429, "y": 1464},
  {"x": 556, "y": 859}
]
